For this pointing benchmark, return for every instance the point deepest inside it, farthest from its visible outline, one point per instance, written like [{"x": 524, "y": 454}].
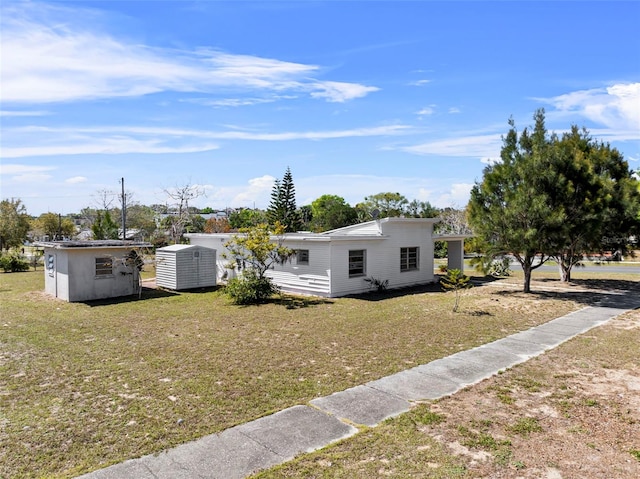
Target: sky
[{"x": 356, "y": 98}]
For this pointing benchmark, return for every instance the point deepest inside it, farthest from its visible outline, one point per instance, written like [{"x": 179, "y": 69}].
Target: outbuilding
[
  {"x": 396, "y": 252},
  {"x": 89, "y": 270},
  {"x": 181, "y": 266}
]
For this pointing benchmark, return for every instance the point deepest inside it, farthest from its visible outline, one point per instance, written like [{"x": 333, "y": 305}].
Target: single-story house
[
  {"x": 88, "y": 270},
  {"x": 337, "y": 262}
]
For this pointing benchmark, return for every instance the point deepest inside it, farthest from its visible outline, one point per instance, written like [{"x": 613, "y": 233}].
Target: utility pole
[{"x": 124, "y": 211}]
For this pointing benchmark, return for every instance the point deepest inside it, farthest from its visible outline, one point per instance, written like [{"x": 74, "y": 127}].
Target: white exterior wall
[
  {"x": 408, "y": 235},
  {"x": 74, "y": 278},
  {"x": 341, "y": 283},
  {"x": 327, "y": 273},
  {"x": 216, "y": 242},
  {"x": 166, "y": 276},
  {"x": 185, "y": 267},
  {"x": 56, "y": 279}
]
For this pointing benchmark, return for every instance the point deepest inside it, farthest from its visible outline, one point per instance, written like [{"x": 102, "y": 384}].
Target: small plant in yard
[
  {"x": 250, "y": 288},
  {"x": 455, "y": 281},
  {"x": 429, "y": 417},
  {"x": 253, "y": 252},
  {"x": 379, "y": 285},
  {"x": 525, "y": 426}
]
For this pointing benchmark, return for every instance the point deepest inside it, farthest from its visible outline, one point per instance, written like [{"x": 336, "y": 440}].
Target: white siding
[
  {"x": 327, "y": 273},
  {"x": 166, "y": 272},
  {"x": 74, "y": 274},
  {"x": 84, "y": 285},
  {"x": 185, "y": 267}
]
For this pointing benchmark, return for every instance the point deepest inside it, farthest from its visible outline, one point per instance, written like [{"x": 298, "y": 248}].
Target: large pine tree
[{"x": 283, "y": 208}]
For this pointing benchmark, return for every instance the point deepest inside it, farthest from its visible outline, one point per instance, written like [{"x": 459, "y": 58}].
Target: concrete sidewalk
[{"x": 271, "y": 440}]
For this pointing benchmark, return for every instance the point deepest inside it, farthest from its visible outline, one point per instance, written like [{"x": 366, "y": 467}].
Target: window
[
  {"x": 409, "y": 259},
  {"x": 302, "y": 256},
  {"x": 104, "y": 266},
  {"x": 357, "y": 261}
]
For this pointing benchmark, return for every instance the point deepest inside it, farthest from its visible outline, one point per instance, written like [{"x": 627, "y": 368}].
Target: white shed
[
  {"x": 182, "y": 266},
  {"x": 89, "y": 270}
]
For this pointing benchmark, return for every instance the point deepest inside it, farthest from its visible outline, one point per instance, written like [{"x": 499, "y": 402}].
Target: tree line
[
  {"x": 166, "y": 224},
  {"x": 549, "y": 196}
]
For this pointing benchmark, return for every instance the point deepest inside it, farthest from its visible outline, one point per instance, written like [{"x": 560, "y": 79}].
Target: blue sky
[{"x": 356, "y": 98}]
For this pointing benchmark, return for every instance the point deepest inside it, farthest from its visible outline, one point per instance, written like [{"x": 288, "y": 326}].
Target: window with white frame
[
  {"x": 302, "y": 256},
  {"x": 104, "y": 266},
  {"x": 409, "y": 258},
  {"x": 357, "y": 262}
]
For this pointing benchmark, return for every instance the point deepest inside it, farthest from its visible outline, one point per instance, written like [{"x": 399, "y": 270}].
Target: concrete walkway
[{"x": 271, "y": 440}]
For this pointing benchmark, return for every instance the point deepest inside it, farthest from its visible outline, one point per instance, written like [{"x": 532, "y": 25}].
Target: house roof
[
  {"x": 370, "y": 230},
  {"x": 180, "y": 247},
  {"x": 92, "y": 244}
]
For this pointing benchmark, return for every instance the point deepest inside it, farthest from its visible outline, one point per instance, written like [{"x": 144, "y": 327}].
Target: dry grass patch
[
  {"x": 572, "y": 412},
  {"x": 85, "y": 385}
]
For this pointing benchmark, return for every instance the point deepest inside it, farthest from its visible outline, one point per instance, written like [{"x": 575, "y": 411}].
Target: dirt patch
[{"x": 571, "y": 413}]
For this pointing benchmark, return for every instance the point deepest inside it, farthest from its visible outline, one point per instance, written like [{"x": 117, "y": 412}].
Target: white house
[
  {"x": 88, "y": 270},
  {"x": 183, "y": 266},
  {"x": 336, "y": 263}
]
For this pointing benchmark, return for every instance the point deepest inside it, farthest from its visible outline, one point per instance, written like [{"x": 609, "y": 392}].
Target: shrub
[
  {"x": 13, "y": 262},
  {"x": 250, "y": 288},
  {"x": 378, "y": 284},
  {"x": 456, "y": 281}
]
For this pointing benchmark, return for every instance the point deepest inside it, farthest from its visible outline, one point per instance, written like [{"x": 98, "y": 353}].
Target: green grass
[{"x": 85, "y": 385}]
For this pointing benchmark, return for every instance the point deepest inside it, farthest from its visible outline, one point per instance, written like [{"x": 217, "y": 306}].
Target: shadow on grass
[
  {"x": 299, "y": 302},
  {"x": 613, "y": 299},
  {"x": 617, "y": 285},
  {"x": 418, "y": 289},
  {"x": 147, "y": 293}
]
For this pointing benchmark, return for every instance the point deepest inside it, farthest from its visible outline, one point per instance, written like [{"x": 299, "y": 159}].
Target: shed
[
  {"x": 89, "y": 270},
  {"x": 183, "y": 266}
]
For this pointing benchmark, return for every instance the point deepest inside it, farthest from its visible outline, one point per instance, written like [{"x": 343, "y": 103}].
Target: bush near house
[{"x": 13, "y": 262}]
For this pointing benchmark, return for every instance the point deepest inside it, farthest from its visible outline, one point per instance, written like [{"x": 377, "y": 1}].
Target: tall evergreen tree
[
  {"x": 282, "y": 208},
  {"x": 597, "y": 193},
  {"x": 510, "y": 209},
  {"x": 104, "y": 228},
  {"x": 554, "y": 197}
]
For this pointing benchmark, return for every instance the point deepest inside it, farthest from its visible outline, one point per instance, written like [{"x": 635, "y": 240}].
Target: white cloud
[
  {"x": 420, "y": 82},
  {"x": 8, "y": 113},
  {"x": 55, "y": 53},
  {"x": 454, "y": 109},
  {"x": 339, "y": 92},
  {"x": 76, "y": 179},
  {"x": 456, "y": 197},
  {"x": 616, "y": 107},
  {"x": 31, "y": 178},
  {"x": 480, "y": 146},
  {"x": 152, "y": 140},
  {"x": 427, "y": 110},
  {"x": 18, "y": 169},
  {"x": 257, "y": 192}
]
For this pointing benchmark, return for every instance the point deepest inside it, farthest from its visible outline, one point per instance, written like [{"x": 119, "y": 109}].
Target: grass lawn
[
  {"x": 572, "y": 412},
  {"x": 85, "y": 385}
]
